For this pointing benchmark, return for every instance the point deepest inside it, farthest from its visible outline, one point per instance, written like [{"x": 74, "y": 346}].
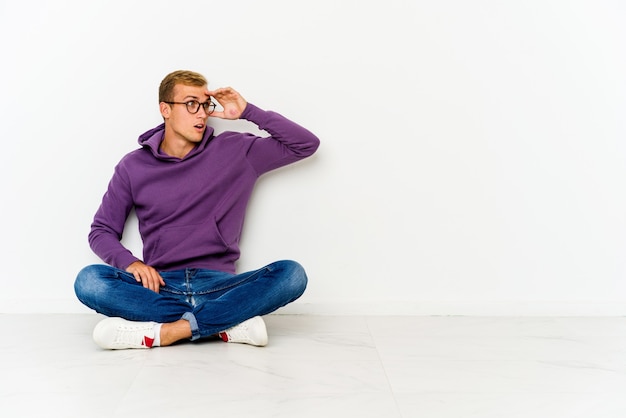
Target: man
[{"x": 189, "y": 189}]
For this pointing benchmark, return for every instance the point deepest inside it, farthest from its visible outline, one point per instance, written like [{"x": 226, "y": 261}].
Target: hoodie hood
[{"x": 152, "y": 138}]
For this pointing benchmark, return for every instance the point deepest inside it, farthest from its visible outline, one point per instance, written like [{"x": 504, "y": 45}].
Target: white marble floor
[{"x": 324, "y": 366}]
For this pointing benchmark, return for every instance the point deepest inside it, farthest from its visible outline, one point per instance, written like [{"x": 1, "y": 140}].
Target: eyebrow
[{"x": 196, "y": 99}]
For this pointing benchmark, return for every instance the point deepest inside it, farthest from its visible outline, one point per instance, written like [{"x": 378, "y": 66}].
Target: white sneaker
[
  {"x": 119, "y": 334},
  {"x": 251, "y": 332}
]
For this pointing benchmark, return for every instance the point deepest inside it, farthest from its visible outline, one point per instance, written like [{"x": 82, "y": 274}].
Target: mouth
[{"x": 199, "y": 126}]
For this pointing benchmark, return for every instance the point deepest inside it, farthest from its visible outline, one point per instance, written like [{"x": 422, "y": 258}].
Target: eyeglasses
[{"x": 193, "y": 106}]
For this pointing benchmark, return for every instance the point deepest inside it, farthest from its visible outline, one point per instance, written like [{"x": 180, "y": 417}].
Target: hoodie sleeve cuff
[{"x": 253, "y": 114}]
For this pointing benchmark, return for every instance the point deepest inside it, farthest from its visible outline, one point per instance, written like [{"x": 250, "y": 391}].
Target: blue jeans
[{"x": 210, "y": 300}]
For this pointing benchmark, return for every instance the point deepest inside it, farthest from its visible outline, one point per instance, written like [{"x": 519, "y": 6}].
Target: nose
[{"x": 202, "y": 113}]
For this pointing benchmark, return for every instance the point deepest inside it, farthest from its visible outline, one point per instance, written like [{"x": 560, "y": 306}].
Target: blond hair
[{"x": 188, "y": 78}]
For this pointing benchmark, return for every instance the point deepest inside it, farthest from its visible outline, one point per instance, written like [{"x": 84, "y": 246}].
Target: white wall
[{"x": 472, "y": 160}]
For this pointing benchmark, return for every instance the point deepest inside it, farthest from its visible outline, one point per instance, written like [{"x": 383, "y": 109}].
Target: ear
[{"x": 165, "y": 110}]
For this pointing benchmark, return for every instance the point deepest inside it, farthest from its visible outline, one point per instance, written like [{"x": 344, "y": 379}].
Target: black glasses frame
[{"x": 193, "y": 106}]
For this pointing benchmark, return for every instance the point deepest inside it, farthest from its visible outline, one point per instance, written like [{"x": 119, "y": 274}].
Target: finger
[
  {"x": 137, "y": 276},
  {"x": 217, "y": 92},
  {"x": 145, "y": 282},
  {"x": 218, "y": 114},
  {"x": 143, "y": 276},
  {"x": 157, "y": 280},
  {"x": 152, "y": 281},
  {"x": 154, "y": 286},
  {"x": 224, "y": 93}
]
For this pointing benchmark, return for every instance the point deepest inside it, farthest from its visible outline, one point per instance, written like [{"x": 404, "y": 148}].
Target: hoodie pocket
[{"x": 185, "y": 242}]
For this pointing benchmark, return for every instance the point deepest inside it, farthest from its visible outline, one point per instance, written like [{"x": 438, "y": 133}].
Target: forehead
[{"x": 182, "y": 91}]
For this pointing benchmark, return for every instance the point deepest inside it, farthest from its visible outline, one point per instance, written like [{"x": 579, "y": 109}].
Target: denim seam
[{"x": 248, "y": 278}]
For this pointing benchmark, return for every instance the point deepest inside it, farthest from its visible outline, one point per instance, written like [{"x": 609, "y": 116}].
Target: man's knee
[
  {"x": 89, "y": 282},
  {"x": 295, "y": 276}
]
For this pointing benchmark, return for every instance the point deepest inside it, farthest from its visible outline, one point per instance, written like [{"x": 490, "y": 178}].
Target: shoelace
[
  {"x": 239, "y": 333},
  {"x": 135, "y": 336}
]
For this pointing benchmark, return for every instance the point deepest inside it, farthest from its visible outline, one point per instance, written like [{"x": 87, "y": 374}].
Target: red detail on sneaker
[
  {"x": 223, "y": 336},
  {"x": 147, "y": 341}
]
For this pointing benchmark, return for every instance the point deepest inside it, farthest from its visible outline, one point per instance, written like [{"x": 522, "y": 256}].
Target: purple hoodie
[{"x": 191, "y": 210}]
